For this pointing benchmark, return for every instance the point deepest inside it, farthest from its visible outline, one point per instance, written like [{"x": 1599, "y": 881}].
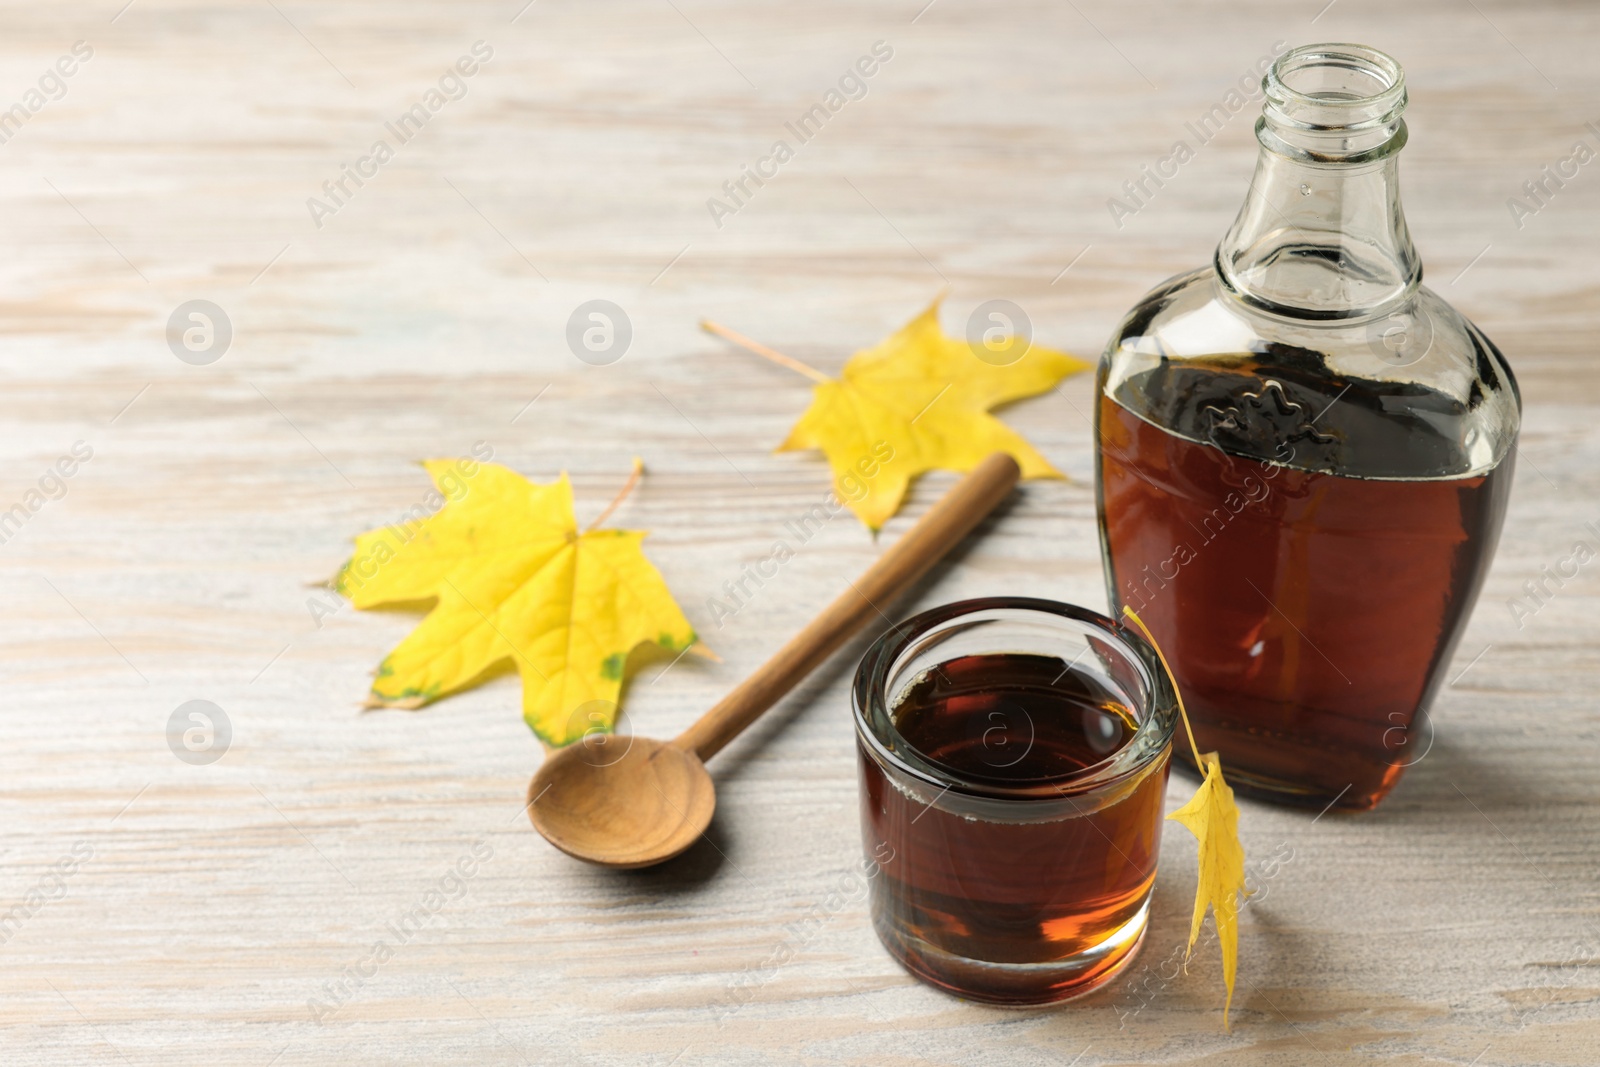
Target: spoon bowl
[{"x": 621, "y": 801}]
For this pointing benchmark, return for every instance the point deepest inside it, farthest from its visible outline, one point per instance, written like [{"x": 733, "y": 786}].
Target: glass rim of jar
[{"x": 1156, "y": 705}]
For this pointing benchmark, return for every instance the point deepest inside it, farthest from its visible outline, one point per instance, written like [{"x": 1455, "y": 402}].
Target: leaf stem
[
  {"x": 762, "y": 350},
  {"x": 1199, "y": 763},
  {"x": 627, "y": 487}
]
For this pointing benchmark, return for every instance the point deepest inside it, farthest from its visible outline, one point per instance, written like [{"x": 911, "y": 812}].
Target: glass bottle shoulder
[{"x": 1418, "y": 393}]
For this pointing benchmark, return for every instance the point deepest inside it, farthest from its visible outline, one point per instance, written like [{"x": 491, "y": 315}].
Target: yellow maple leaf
[
  {"x": 511, "y": 578},
  {"x": 1213, "y": 817},
  {"x": 919, "y": 401}
]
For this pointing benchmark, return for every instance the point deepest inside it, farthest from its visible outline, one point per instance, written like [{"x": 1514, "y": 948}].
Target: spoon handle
[{"x": 967, "y": 503}]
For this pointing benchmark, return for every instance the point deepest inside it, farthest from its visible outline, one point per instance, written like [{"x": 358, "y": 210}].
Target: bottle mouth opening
[
  {"x": 1335, "y": 104},
  {"x": 1330, "y": 87}
]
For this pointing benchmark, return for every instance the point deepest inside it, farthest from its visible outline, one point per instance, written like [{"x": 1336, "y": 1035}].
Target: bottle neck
[{"x": 1322, "y": 234}]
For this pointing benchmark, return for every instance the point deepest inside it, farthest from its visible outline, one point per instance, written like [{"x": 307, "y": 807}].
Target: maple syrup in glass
[
  {"x": 1304, "y": 456},
  {"x": 1013, "y": 758}
]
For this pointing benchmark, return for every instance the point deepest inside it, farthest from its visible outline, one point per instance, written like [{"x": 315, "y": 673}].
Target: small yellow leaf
[
  {"x": 920, "y": 401},
  {"x": 1213, "y": 817},
  {"x": 509, "y": 577}
]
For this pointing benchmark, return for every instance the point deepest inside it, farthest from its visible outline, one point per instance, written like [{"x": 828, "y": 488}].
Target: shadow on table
[
  {"x": 1451, "y": 775},
  {"x": 701, "y": 863}
]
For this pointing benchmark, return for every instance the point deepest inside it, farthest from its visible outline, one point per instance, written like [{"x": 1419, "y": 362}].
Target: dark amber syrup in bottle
[{"x": 1309, "y": 617}]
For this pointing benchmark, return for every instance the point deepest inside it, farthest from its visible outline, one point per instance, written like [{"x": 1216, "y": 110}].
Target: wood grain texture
[{"x": 306, "y": 899}]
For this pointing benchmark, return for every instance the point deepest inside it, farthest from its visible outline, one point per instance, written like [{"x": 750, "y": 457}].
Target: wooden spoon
[{"x": 623, "y": 801}]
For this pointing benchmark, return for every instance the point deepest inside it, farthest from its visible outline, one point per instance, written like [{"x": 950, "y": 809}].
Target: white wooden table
[{"x": 169, "y": 913}]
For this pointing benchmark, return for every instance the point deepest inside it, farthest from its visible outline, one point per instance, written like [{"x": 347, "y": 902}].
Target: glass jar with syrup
[{"x": 1304, "y": 455}]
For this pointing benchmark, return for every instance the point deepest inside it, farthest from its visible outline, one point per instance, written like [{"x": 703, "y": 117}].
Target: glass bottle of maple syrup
[{"x": 1304, "y": 455}]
